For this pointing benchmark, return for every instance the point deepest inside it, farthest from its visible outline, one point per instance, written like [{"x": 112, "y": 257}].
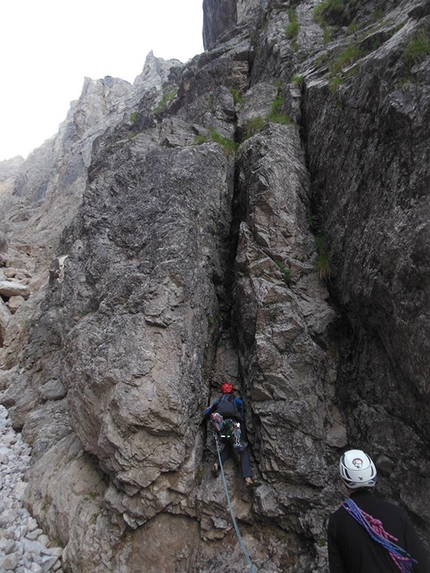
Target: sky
[{"x": 48, "y": 47}]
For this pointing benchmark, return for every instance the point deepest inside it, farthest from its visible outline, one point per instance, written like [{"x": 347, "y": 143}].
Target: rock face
[{"x": 260, "y": 215}]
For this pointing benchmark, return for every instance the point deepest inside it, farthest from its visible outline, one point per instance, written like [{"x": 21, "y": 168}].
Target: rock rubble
[{"x": 24, "y": 548}]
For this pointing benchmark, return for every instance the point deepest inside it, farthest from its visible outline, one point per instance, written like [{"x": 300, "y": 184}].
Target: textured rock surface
[{"x": 260, "y": 214}]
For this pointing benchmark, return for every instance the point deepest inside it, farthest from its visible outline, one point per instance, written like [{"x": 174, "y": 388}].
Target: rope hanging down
[{"x": 230, "y": 508}]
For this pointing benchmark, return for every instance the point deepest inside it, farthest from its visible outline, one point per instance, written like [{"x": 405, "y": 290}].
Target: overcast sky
[{"x": 48, "y": 47}]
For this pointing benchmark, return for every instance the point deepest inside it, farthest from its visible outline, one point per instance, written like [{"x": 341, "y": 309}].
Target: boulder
[
  {"x": 14, "y": 303},
  {"x": 14, "y": 288}
]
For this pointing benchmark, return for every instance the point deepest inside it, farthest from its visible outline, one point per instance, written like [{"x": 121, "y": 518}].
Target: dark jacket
[
  {"x": 238, "y": 405},
  {"x": 351, "y": 549}
]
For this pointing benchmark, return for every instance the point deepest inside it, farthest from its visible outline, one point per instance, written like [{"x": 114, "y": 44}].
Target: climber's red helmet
[{"x": 226, "y": 388}]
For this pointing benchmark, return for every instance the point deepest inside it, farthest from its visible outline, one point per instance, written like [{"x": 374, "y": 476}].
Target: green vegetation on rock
[
  {"x": 336, "y": 12},
  {"x": 226, "y": 143},
  {"x": 168, "y": 97},
  {"x": 299, "y": 80},
  {"x": 238, "y": 100},
  {"x": 418, "y": 48},
  {"x": 134, "y": 117},
  {"x": 346, "y": 58},
  {"x": 255, "y": 125},
  {"x": 292, "y": 30},
  {"x": 277, "y": 113},
  {"x": 286, "y": 273}
]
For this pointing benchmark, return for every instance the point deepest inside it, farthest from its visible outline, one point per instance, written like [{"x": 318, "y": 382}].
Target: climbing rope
[
  {"x": 230, "y": 507},
  {"x": 375, "y": 529}
]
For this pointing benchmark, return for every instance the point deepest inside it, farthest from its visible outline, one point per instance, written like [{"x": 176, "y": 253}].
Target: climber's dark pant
[{"x": 245, "y": 462}]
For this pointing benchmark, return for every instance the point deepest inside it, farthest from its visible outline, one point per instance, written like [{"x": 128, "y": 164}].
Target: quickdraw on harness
[
  {"x": 229, "y": 430},
  {"x": 403, "y": 561}
]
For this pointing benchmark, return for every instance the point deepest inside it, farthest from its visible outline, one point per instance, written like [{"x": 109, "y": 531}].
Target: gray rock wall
[
  {"x": 370, "y": 181},
  {"x": 258, "y": 215}
]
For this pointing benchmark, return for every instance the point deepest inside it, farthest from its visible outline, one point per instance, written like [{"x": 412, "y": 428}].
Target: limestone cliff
[{"x": 259, "y": 214}]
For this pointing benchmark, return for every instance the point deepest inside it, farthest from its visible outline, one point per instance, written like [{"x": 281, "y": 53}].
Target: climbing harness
[
  {"x": 230, "y": 507},
  {"x": 403, "y": 561},
  {"x": 229, "y": 430}
]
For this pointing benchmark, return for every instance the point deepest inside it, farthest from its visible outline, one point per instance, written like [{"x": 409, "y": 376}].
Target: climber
[
  {"x": 367, "y": 534},
  {"x": 227, "y": 419}
]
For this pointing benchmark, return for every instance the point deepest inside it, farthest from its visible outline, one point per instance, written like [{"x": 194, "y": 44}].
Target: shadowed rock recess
[{"x": 259, "y": 214}]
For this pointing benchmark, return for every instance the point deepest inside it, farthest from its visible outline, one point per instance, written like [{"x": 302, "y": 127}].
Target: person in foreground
[
  {"x": 227, "y": 418},
  {"x": 367, "y": 534}
]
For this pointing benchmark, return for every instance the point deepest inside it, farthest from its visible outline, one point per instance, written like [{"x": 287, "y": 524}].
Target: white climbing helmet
[{"x": 357, "y": 469}]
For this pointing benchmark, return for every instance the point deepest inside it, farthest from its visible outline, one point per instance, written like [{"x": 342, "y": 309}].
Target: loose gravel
[{"x": 24, "y": 548}]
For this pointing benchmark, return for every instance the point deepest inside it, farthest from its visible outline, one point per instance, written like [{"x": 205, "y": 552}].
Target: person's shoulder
[
  {"x": 214, "y": 403},
  {"x": 394, "y": 507},
  {"x": 370, "y": 501},
  {"x": 336, "y": 518},
  {"x": 335, "y": 514}
]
